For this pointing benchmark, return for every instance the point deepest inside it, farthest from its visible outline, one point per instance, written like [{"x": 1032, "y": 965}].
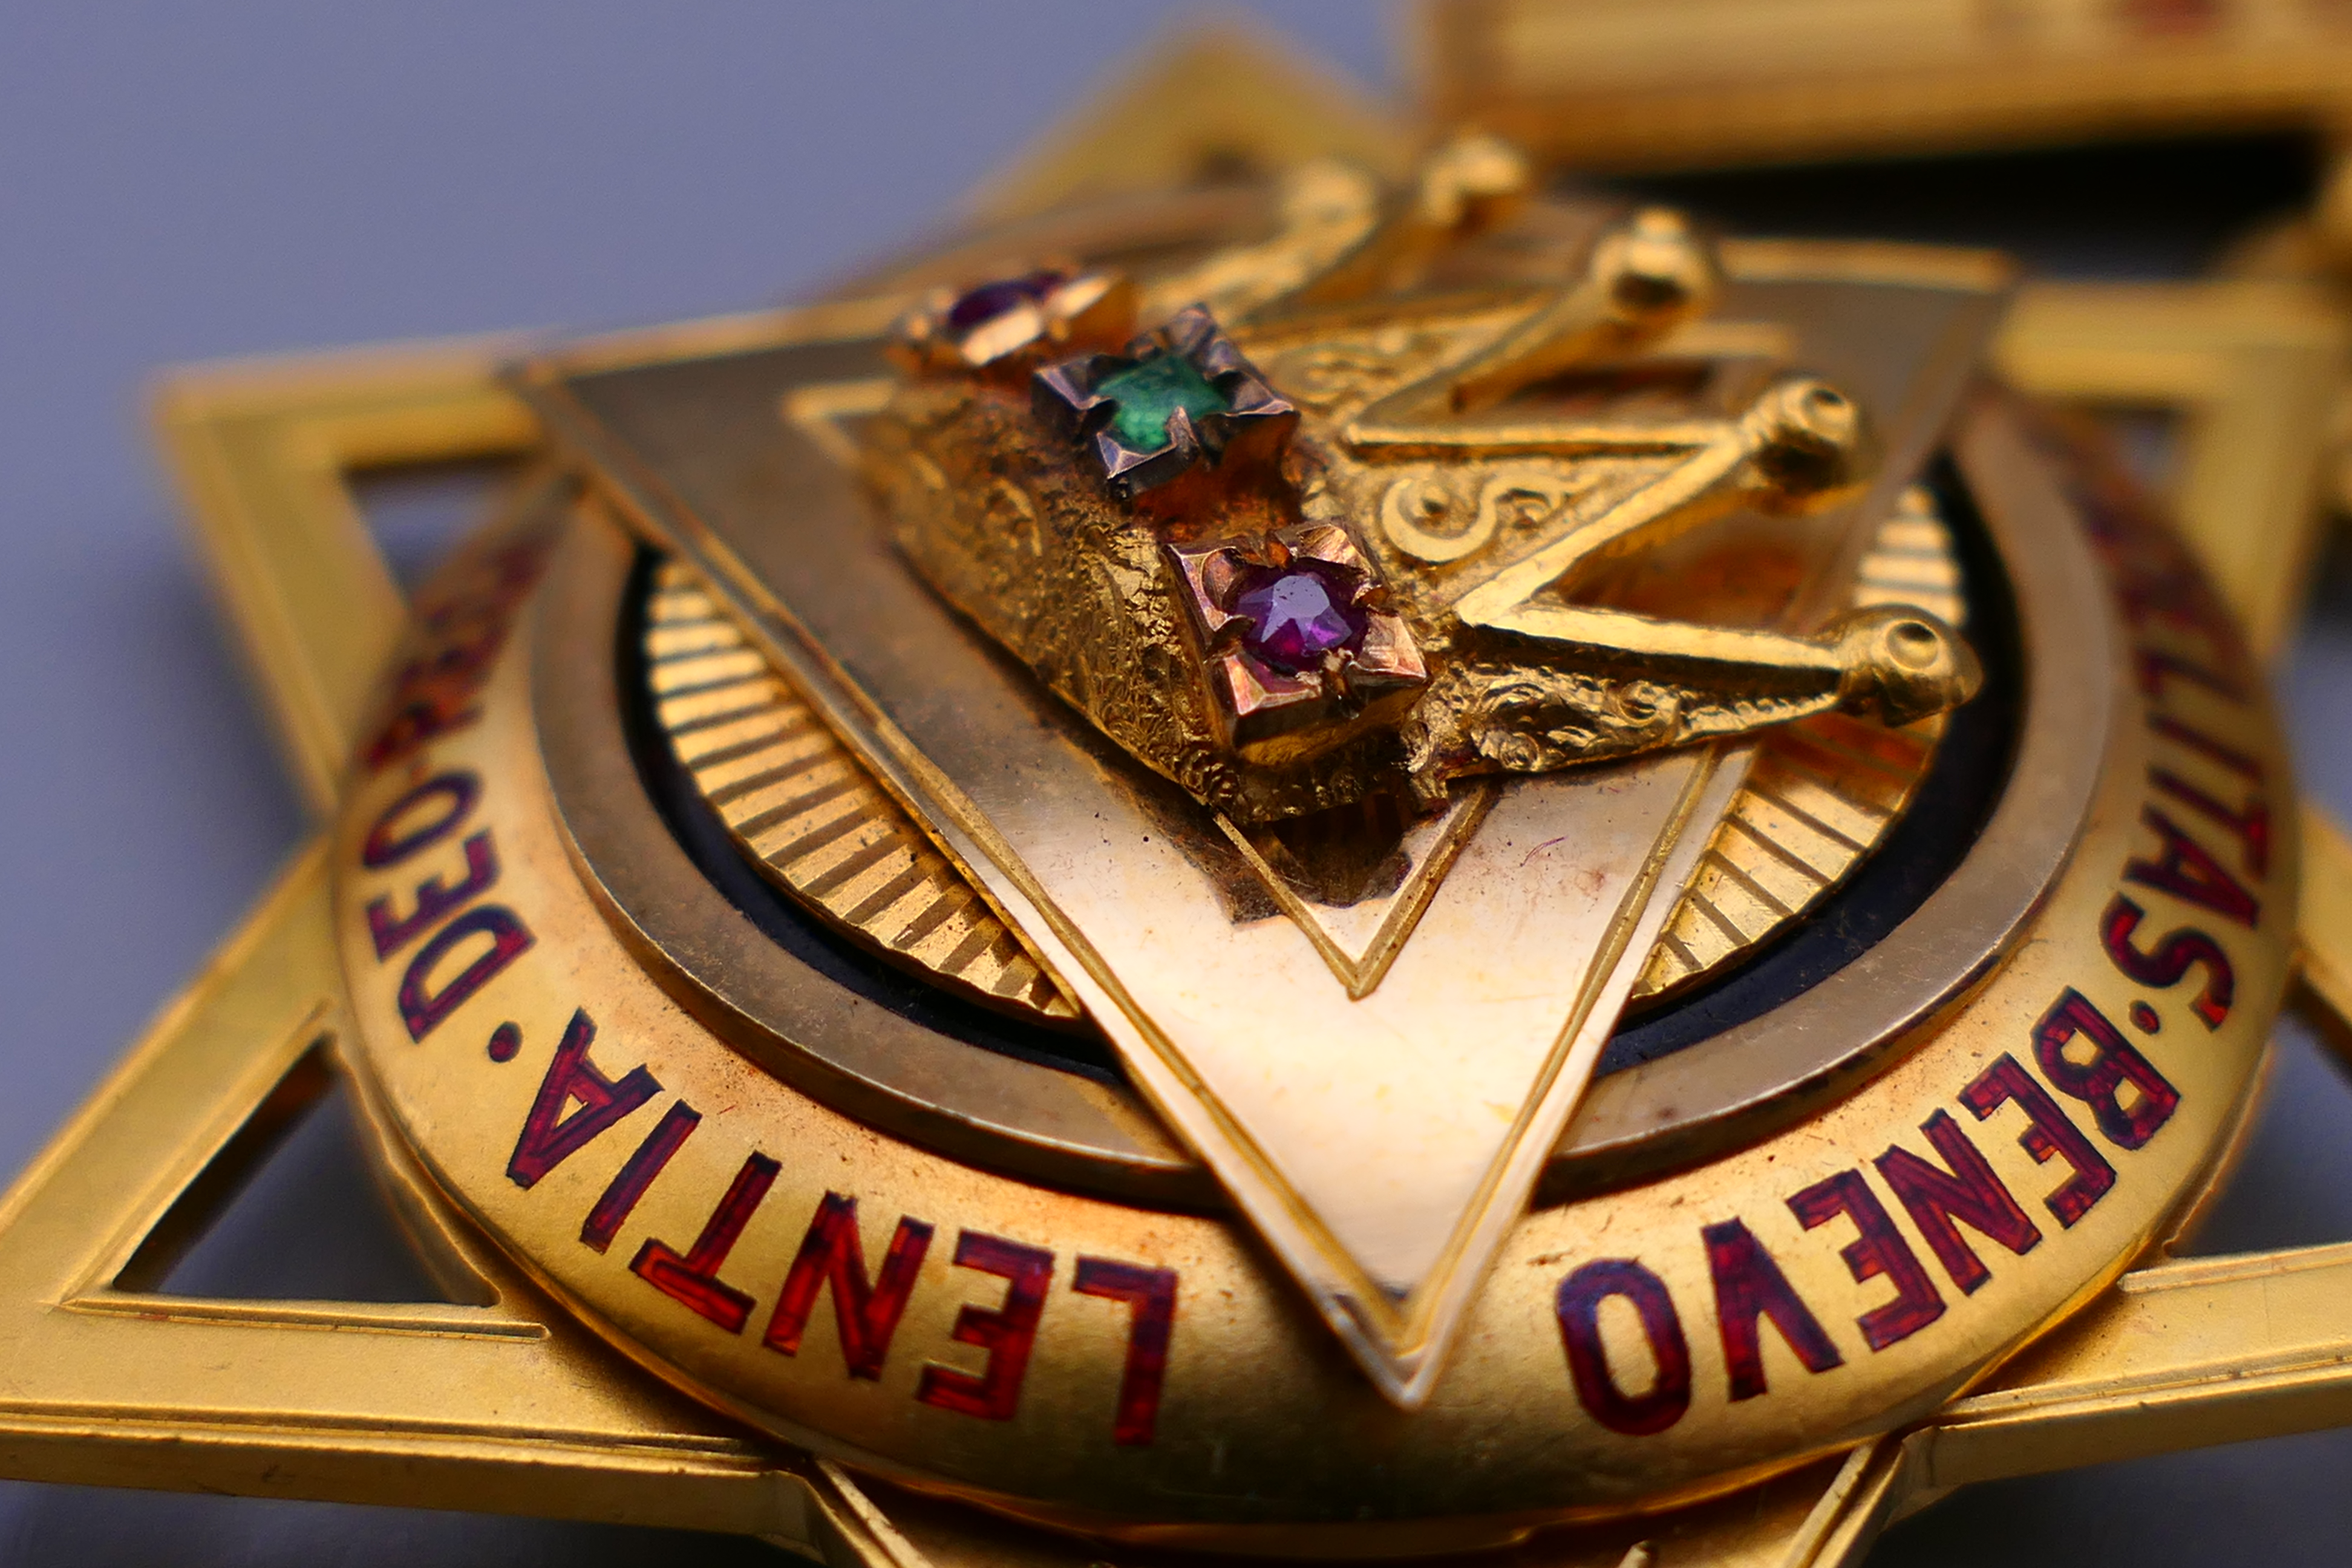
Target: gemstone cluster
[{"x": 1294, "y": 645}]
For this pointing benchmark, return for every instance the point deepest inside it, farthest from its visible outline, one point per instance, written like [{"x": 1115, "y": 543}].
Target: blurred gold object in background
[
  {"x": 1649, "y": 84},
  {"x": 2254, "y": 372}
]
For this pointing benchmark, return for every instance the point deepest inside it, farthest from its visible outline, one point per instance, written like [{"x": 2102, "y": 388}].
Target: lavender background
[{"x": 181, "y": 182}]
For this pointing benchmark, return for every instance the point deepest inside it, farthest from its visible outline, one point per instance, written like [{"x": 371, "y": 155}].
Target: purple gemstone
[
  {"x": 976, "y": 307},
  {"x": 1299, "y": 612}
]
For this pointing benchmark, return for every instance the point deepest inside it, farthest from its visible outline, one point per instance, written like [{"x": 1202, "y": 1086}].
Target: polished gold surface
[
  {"x": 1769, "y": 1071},
  {"x": 495, "y": 1400},
  {"x": 1068, "y": 1127},
  {"x": 215, "y": 1052},
  {"x": 1684, "y": 83},
  {"x": 1008, "y": 1110},
  {"x": 591, "y": 967}
]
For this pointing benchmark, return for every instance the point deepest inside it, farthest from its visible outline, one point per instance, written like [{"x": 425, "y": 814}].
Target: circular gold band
[{"x": 2074, "y": 1065}]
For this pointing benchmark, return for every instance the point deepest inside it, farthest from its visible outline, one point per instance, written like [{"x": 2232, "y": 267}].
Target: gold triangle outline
[{"x": 1363, "y": 971}]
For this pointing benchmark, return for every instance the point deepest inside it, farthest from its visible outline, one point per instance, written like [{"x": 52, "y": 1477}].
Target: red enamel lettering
[
  {"x": 866, "y": 1314},
  {"x": 392, "y": 838},
  {"x": 2047, "y": 1132},
  {"x": 1578, "y": 1308},
  {"x": 2156, "y": 666},
  {"x": 462, "y": 632},
  {"x": 1969, "y": 1193},
  {"x": 1878, "y": 1250},
  {"x": 549, "y": 1136},
  {"x": 2251, "y": 822},
  {"x": 693, "y": 1280},
  {"x": 2175, "y": 953},
  {"x": 2169, "y": 19},
  {"x": 1150, "y": 1295},
  {"x": 2097, "y": 1077},
  {"x": 2167, "y": 594},
  {"x": 636, "y": 1173},
  {"x": 422, "y": 1007},
  {"x": 414, "y": 721},
  {"x": 2205, "y": 745},
  {"x": 1749, "y": 1287},
  {"x": 2185, "y": 870},
  {"x": 432, "y": 900},
  {"x": 1007, "y": 1334}
]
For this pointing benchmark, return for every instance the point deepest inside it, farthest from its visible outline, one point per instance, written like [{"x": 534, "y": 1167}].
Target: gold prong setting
[
  {"x": 1176, "y": 397},
  {"x": 1007, "y": 324},
  {"x": 1298, "y": 630}
]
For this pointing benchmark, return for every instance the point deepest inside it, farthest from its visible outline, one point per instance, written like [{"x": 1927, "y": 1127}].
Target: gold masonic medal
[
  {"x": 1353, "y": 898},
  {"x": 1361, "y": 863}
]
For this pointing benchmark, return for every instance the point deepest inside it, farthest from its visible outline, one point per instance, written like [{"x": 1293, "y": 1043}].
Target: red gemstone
[
  {"x": 977, "y": 307},
  {"x": 1298, "y": 614}
]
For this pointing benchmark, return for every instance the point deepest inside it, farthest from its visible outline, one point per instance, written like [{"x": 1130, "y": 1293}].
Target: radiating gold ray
[{"x": 807, "y": 814}]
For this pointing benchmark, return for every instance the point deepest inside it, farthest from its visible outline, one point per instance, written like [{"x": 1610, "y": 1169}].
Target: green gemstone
[{"x": 1146, "y": 394}]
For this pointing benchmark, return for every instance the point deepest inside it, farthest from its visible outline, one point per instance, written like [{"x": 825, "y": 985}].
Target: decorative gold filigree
[{"x": 1479, "y": 457}]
